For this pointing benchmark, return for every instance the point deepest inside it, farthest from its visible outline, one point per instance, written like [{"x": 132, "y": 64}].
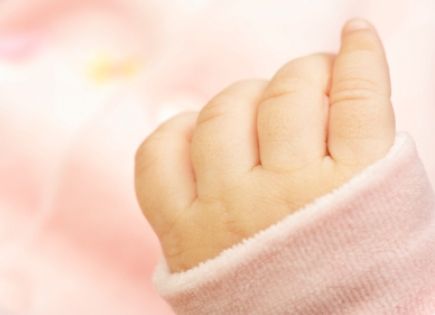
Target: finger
[
  {"x": 361, "y": 126},
  {"x": 224, "y": 143},
  {"x": 292, "y": 114},
  {"x": 164, "y": 178}
]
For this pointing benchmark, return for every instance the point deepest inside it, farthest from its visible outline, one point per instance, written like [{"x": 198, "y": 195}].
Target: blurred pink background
[{"x": 83, "y": 82}]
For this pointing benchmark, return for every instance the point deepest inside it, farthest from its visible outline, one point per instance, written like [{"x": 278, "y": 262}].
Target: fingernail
[{"x": 356, "y": 25}]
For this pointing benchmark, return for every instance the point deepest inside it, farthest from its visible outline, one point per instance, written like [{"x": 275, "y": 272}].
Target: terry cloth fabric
[{"x": 366, "y": 248}]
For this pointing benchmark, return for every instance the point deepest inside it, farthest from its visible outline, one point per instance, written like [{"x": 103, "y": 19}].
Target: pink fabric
[
  {"x": 72, "y": 238},
  {"x": 366, "y": 248}
]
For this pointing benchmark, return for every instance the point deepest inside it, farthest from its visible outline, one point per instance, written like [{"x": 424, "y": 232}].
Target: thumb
[{"x": 361, "y": 126}]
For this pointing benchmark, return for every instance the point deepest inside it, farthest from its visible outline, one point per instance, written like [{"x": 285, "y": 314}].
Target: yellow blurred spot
[{"x": 103, "y": 69}]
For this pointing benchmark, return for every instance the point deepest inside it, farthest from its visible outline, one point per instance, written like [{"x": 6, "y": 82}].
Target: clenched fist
[{"x": 262, "y": 149}]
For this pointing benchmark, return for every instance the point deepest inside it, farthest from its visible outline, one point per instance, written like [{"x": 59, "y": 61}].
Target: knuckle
[
  {"x": 146, "y": 155},
  {"x": 217, "y": 108},
  {"x": 295, "y": 76},
  {"x": 177, "y": 122},
  {"x": 284, "y": 85},
  {"x": 182, "y": 116},
  {"x": 287, "y": 82},
  {"x": 245, "y": 83},
  {"x": 223, "y": 103}
]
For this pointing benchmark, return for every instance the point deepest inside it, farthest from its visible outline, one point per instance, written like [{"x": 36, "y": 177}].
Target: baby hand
[{"x": 261, "y": 150}]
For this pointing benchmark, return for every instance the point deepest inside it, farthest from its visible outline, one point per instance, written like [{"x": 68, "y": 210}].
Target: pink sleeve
[{"x": 366, "y": 248}]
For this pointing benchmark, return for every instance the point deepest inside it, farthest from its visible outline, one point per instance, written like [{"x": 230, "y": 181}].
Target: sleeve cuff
[{"x": 366, "y": 248}]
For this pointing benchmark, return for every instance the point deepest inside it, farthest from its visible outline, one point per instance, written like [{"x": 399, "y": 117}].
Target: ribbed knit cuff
[{"x": 366, "y": 248}]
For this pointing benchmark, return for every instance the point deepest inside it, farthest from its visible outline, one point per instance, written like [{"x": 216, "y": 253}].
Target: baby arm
[{"x": 256, "y": 159}]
